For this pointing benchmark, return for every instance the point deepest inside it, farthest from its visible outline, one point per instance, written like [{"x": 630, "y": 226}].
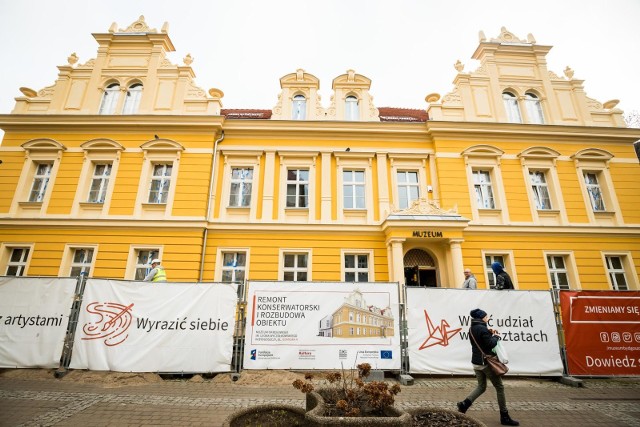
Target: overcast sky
[{"x": 406, "y": 47}]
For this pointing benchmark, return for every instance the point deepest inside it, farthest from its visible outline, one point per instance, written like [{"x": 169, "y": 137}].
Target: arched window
[
  {"x": 351, "y": 108},
  {"x": 299, "y": 108},
  {"x": 511, "y": 106},
  {"x": 132, "y": 101},
  {"x": 534, "y": 108},
  {"x": 110, "y": 99}
]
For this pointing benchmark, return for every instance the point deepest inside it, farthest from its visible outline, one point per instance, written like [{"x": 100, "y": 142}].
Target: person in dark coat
[
  {"x": 487, "y": 339},
  {"x": 503, "y": 281}
]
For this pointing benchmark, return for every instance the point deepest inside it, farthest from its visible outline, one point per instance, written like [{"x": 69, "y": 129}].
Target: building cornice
[
  {"x": 110, "y": 123},
  {"x": 526, "y": 132}
]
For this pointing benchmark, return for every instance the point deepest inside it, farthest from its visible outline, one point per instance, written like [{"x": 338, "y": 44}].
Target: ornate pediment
[
  {"x": 139, "y": 26},
  {"x": 424, "y": 207}
]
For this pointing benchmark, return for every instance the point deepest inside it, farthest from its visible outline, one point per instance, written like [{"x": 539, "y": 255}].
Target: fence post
[
  {"x": 555, "y": 298},
  {"x": 69, "y": 338}
]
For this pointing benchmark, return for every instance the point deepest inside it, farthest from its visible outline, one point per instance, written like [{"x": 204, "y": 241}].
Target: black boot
[
  {"x": 464, "y": 405},
  {"x": 506, "y": 420}
]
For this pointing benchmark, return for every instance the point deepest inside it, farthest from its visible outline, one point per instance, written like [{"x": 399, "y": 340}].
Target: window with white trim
[
  {"x": 353, "y": 187},
  {"x": 408, "y": 188},
  {"x": 299, "y": 108},
  {"x": 490, "y": 275},
  {"x": 558, "y": 272},
  {"x": 110, "y": 99},
  {"x": 241, "y": 185},
  {"x": 351, "y": 110},
  {"x": 17, "y": 262},
  {"x": 511, "y": 107},
  {"x": 616, "y": 272},
  {"x": 356, "y": 267},
  {"x": 99, "y": 183},
  {"x": 534, "y": 108},
  {"x": 234, "y": 265},
  {"x": 540, "y": 189},
  {"x": 82, "y": 260},
  {"x": 160, "y": 183},
  {"x": 143, "y": 262},
  {"x": 132, "y": 99},
  {"x": 297, "y": 188},
  {"x": 484, "y": 189},
  {"x": 295, "y": 267},
  {"x": 40, "y": 182},
  {"x": 594, "y": 191}
]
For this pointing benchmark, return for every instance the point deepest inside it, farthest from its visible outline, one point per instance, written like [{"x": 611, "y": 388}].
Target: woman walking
[{"x": 487, "y": 339}]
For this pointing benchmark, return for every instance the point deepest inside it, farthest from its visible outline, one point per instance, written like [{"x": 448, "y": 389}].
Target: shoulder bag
[{"x": 494, "y": 363}]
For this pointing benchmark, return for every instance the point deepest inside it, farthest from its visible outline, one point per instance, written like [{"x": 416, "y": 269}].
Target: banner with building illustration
[
  {"x": 155, "y": 327},
  {"x": 296, "y": 325},
  {"x": 602, "y": 332},
  {"x": 34, "y": 314},
  {"x": 439, "y": 320}
]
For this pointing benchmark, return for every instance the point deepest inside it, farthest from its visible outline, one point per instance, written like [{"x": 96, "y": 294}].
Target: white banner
[
  {"x": 34, "y": 314},
  {"x": 297, "y": 325},
  {"x": 439, "y": 321},
  {"x": 155, "y": 327}
]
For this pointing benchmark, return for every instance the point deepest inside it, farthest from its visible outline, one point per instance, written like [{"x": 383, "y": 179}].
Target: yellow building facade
[{"x": 124, "y": 159}]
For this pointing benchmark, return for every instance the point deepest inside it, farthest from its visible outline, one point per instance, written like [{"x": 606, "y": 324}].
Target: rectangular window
[
  {"x": 617, "y": 275},
  {"x": 356, "y": 268},
  {"x": 595, "y": 193},
  {"x": 160, "y": 183},
  {"x": 234, "y": 265},
  {"x": 353, "y": 186},
  {"x": 484, "y": 190},
  {"x": 241, "y": 183},
  {"x": 408, "y": 188},
  {"x": 540, "y": 190},
  {"x": 143, "y": 262},
  {"x": 295, "y": 267},
  {"x": 297, "y": 188},
  {"x": 82, "y": 260},
  {"x": 558, "y": 272},
  {"x": 17, "y": 262},
  {"x": 40, "y": 182},
  {"x": 488, "y": 260},
  {"x": 99, "y": 183}
]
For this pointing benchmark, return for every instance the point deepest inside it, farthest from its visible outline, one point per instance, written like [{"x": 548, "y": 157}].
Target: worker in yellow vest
[{"x": 157, "y": 273}]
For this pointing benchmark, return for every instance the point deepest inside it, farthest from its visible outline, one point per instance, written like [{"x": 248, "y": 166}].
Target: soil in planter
[
  {"x": 270, "y": 418},
  {"x": 440, "y": 419}
]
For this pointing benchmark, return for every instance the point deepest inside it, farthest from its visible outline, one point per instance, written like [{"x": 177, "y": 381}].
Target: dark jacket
[
  {"x": 503, "y": 281},
  {"x": 485, "y": 339}
]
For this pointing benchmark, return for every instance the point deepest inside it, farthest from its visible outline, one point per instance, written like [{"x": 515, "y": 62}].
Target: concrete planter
[
  {"x": 444, "y": 414},
  {"x": 273, "y": 415}
]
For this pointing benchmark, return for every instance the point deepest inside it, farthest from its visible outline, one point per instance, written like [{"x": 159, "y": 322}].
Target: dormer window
[
  {"x": 511, "y": 107},
  {"x": 351, "y": 111},
  {"x": 110, "y": 99},
  {"x": 534, "y": 108},
  {"x": 299, "y": 110},
  {"x": 132, "y": 100}
]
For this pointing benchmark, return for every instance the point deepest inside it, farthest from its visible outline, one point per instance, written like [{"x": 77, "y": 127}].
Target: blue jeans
[{"x": 482, "y": 375}]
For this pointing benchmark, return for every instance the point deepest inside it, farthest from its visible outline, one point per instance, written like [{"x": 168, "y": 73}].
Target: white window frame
[
  {"x": 132, "y": 98},
  {"x": 240, "y": 159},
  {"x": 354, "y": 185},
  {"x": 361, "y": 161},
  {"x": 297, "y": 160},
  {"x": 487, "y": 158},
  {"x": 42, "y": 176},
  {"x": 6, "y": 251},
  {"x": 220, "y": 262},
  {"x": 244, "y": 185},
  {"x": 570, "y": 269},
  {"x": 110, "y": 99},
  {"x": 628, "y": 269},
  {"x": 299, "y": 107},
  {"x": 103, "y": 179},
  {"x": 508, "y": 265},
  {"x": 511, "y": 106},
  {"x": 533, "y": 105},
  {"x": 132, "y": 259},
  {"x": 594, "y": 191},
  {"x": 67, "y": 263},
  {"x": 157, "y": 193},
  {"x": 356, "y": 252},
  {"x": 483, "y": 189},
  {"x": 540, "y": 190},
  {"x": 543, "y": 159},
  {"x": 409, "y": 162},
  {"x": 351, "y": 108},
  {"x": 298, "y": 183},
  {"x": 407, "y": 187},
  {"x": 295, "y": 251}
]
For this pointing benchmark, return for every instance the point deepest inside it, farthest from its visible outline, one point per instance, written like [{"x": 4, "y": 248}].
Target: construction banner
[
  {"x": 296, "y": 325},
  {"x": 34, "y": 314},
  {"x": 155, "y": 327},
  {"x": 439, "y": 342},
  {"x": 602, "y": 332}
]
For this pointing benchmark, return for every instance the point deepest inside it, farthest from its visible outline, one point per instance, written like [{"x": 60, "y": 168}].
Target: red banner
[{"x": 602, "y": 332}]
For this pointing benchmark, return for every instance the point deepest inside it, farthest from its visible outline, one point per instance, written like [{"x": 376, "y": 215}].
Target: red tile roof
[
  {"x": 391, "y": 114},
  {"x": 246, "y": 113}
]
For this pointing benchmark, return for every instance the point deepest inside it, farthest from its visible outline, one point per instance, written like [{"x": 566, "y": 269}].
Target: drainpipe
[{"x": 205, "y": 234}]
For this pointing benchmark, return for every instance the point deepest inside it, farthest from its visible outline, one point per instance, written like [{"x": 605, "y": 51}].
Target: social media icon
[
  {"x": 626, "y": 336},
  {"x": 604, "y": 337},
  {"x": 615, "y": 336}
]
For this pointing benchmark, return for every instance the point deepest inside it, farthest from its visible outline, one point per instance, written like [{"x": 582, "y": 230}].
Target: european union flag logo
[
  {"x": 253, "y": 354},
  {"x": 386, "y": 354}
]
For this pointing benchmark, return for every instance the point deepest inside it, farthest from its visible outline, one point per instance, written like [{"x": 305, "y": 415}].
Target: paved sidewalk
[{"x": 534, "y": 402}]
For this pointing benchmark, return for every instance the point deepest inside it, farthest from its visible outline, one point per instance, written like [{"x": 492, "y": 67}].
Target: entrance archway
[{"x": 420, "y": 269}]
